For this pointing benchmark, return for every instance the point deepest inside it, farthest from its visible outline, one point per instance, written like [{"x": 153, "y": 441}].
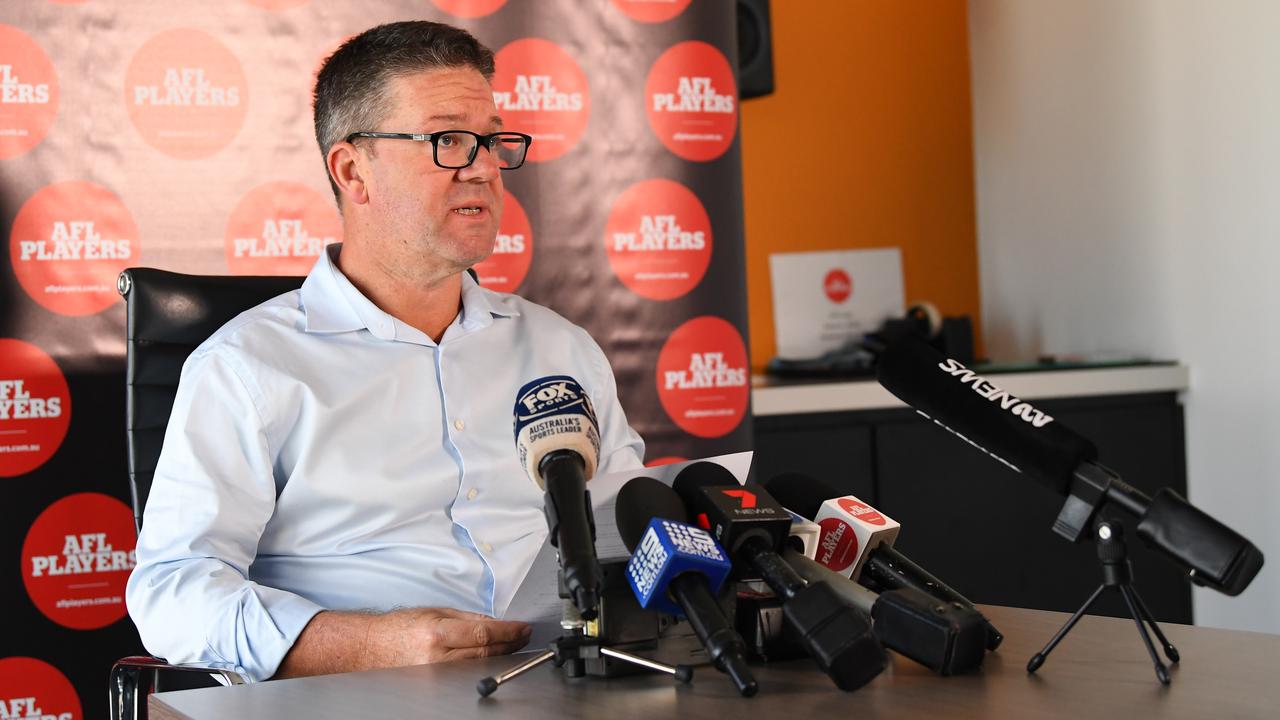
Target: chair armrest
[{"x": 134, "y": 678}]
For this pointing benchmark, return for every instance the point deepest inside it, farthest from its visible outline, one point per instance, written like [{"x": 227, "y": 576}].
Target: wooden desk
[{"x": 1100, "y": 671}]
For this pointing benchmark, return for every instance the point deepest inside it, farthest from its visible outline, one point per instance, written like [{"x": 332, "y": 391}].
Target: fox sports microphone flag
[{"x": 555, "y": 413}]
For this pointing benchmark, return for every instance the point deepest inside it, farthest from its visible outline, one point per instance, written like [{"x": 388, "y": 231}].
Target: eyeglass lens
[{"x": 454, "y": 150}]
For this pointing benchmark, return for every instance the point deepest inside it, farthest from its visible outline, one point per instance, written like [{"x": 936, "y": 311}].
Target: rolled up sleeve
[{"x": 212, "y": 494}]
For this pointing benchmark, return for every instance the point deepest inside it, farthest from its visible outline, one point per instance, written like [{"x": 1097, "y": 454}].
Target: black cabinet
[{"x": 977, "y": 524}]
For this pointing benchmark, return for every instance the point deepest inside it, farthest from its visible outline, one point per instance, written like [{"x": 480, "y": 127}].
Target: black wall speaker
[{"x": 755, "y": 49}]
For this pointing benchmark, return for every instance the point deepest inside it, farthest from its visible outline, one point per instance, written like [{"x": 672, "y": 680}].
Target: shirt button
[
  {"x": 486, "y": 547},
  {"x": 472, "y": 493},
  {"x": 458, "y": 424}
]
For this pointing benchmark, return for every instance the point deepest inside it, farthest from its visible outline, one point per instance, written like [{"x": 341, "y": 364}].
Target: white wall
[{"x": 1127, "y": 155}]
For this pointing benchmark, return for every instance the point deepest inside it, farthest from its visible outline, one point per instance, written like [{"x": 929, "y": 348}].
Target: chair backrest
[{"x": 169, "y": 315}]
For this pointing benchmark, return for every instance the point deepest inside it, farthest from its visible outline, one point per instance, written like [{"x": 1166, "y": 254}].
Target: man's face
[{"x": 433, "y": 217}]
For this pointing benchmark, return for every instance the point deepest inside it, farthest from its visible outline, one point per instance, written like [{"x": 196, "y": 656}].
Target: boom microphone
[
  {"x": 857, "y": 542},
  {"x": 558, "y": 441},
  {"x": 1033, "y": 443},
  {"x": 753, "y": 527},
  {"x": 672, "y": 560}
]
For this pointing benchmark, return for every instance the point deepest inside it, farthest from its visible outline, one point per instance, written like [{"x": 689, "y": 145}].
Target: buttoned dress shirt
[{"x": 322, "y": 454}]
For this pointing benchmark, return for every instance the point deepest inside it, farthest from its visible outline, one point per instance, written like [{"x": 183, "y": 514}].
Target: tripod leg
[
  {"x": 1162, "y": 673},
  {"x": 683, "y": 673},
  {"x": 1038, "y": 659},
  {"x": 486, "y": 686},
  {"x": 1169, "y": 650}
]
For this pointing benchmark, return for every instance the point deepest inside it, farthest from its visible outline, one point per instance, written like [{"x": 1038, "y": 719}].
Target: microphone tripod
[
  {"x": 571, "y": 652},
  {"x": 1117, "y": 574}
]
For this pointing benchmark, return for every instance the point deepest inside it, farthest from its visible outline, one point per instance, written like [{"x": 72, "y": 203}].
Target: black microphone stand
[
  {"x": 1117, "y": 574},
  {"x": 571, "y": 652}
]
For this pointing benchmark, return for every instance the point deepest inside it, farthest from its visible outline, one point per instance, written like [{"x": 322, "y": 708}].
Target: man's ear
[{"x": 346, "y": 166}]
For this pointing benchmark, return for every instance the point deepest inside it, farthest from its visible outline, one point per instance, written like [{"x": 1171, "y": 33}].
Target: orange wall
[{"x": 888, "y": 83}]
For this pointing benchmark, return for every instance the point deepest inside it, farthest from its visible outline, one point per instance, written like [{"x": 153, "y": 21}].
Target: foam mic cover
[
  {"x": 732, "y": 512},
  {"x": 1009, "y": 429},
  {"x": 640, "y": 500},
  {"x": 554, "y": 413}
]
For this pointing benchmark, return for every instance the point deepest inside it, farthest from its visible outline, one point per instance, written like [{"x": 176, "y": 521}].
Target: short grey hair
[{"x": 351, "y": 93}]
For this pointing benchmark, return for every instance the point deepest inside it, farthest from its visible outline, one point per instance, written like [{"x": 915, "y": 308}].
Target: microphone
[
  {"x": 753, "y": 528},
  {"x": 671, "y": 559},
  {"x": 804, "y": 536},
  {"x": 1033, "y": 443},
  {"x": 945, "y": 637},
  {"x": 857, "y": 542},
  {"x": 558, "y": 441}
]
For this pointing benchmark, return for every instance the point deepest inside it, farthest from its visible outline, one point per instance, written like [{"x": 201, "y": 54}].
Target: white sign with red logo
[
  {"x": 35, "y": 407},
  {"x": 77, "y": 558},
  {"x": 506, "y": 268},
  {"x": 702, "y": 376},
  {"x": 32, "y": 689},
  {"x": 822, "y": 300},
  {"x": 850, "y": 529}
]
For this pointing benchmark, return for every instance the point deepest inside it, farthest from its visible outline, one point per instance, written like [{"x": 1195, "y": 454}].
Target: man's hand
[
  {"x": 427, "y": 635},
  {"x": 346, "y": 642}
]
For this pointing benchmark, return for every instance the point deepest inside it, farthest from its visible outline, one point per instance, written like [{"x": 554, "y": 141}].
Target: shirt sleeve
[
  {"x": 212, "y": 494},
  {"x": 621, "y": 447}
]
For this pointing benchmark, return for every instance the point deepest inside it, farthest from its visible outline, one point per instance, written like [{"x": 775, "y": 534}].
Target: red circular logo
[
  {"x": 77, "y": 558},
  {"x": 837, "y": 544},
  {"x": 669, "y": 460},
  {"x": 540, "y": 90},
  {"x": 702, "y": 377},
  {"x": 692, "y": 101},
  {"x": 69, "y": 242},
  {"x": 837, "y": 285},
  {"x": 505, "y": 269},
  {"x": 35, "y": 407},
  {"x": 862, "y": 511},
  {"x": 651, "y": 11},
  {"x": 280, "y": 228},
  {"x": 658, "y": 239},
  {"x": 186, "y": 93},
  {"x": 469, "y": 8},
  {"x": 28, "y": 92},
  {"x": 32, "y": 689}
]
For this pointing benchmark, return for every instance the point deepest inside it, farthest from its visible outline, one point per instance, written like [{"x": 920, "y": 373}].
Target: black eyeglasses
[{"x": 456, "y": 149}]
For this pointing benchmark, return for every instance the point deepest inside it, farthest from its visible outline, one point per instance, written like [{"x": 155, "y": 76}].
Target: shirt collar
[{"x": 333, "y": 305}]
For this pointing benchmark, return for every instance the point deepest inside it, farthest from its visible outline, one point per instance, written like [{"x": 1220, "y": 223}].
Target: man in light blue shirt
[{"x": 339, "y": 488}]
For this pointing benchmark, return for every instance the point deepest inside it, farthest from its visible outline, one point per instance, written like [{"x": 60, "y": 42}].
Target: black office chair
[{"x": 169, "y": 315}]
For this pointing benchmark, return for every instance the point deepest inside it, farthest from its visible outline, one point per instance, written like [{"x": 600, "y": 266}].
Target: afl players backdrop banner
[{"x": 178, "y": 135}]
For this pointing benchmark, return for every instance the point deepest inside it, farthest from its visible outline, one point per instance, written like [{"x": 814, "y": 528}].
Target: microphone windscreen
[
  {"x": 641, "y": 500},
  {"x": 554, "y": 413},
  {"x": 801, "y": 494},
  {"x": 700, "y": 475},
  {"x": 1005, "y": 427}
]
